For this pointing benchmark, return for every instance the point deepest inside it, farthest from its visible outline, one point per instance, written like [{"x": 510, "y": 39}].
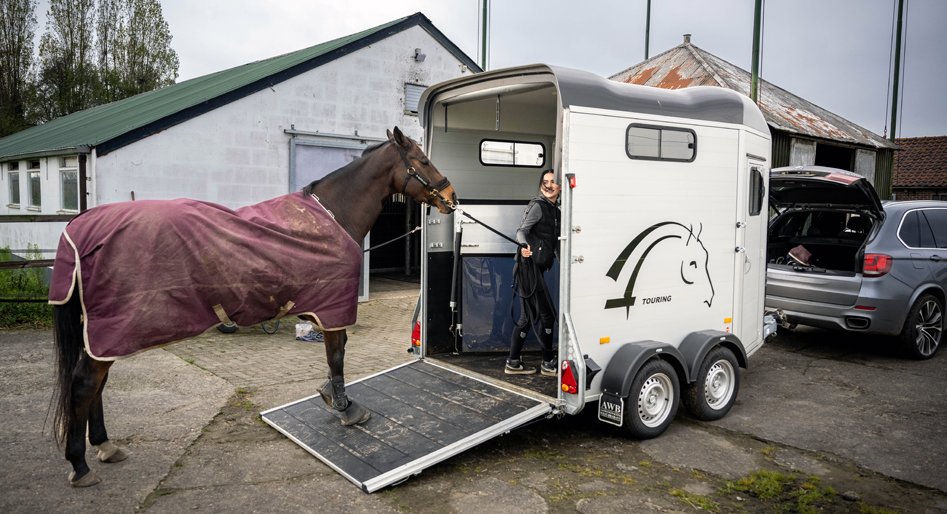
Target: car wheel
[
  {"x": 653, "y": 400},
  {"x": 718, "y": 382},
  {"x": 923, "y": 327}
]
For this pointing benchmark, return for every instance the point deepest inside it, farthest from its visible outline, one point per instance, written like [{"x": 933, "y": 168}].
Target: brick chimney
[{"x": 687, "y": 39}]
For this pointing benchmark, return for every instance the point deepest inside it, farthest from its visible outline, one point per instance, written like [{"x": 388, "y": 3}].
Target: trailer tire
[
  {"x": 652, "y": 401},
  {"x": 715, "y": 389},
  {"x": 227, "y": 328}
]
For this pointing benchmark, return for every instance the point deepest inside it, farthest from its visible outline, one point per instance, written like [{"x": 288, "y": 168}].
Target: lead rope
[{"x": 392, "y": 240}]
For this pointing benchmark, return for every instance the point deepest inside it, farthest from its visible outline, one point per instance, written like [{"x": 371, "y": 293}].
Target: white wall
[{"x": 239, "y": 154}]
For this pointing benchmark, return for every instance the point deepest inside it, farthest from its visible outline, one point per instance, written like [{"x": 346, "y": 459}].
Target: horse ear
[
  {"x": 399, "y": 137},
  {"x": 390, "y": 136}
]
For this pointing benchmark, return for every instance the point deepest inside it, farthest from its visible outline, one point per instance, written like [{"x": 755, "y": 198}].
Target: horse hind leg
[
  {"x": 87, "y": 382},
  {"x": 106, "y": 450},
  {"x": 333, "y": 390}
]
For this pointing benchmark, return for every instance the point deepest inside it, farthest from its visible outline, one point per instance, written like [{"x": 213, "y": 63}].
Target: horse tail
[{"x": 67, "y": 333}]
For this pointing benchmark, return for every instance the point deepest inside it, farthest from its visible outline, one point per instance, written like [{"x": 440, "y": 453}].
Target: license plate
[{"x": 610, "y": 409}]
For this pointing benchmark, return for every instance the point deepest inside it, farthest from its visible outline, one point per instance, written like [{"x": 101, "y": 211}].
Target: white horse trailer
[{"x": 659, "y": 282}]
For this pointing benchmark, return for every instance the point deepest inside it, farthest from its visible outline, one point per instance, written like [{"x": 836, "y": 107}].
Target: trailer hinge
[
  {"x": 578, "y": 258},
  {"x": 577, "y": 229},
  {"x": 741, "y": 224},
  {"x": 739, "y": 249}
]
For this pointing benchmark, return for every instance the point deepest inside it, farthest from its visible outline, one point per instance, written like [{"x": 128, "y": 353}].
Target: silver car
[{"x": 838, "y": 258}]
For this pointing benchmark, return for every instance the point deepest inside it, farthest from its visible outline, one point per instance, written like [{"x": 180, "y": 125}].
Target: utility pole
[
  {"x": 897, "y": 73},
  {"x": 485, "y": 5},
  {"x": 755, "y": 74},
  {"x": 647, "y": 31}
]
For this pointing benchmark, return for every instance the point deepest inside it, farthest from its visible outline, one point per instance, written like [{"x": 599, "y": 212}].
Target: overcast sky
[{"x": 834, "y": 53}]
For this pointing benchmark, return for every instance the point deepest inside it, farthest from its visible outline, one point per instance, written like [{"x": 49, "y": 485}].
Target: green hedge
[{"x": 24, "y": 283}]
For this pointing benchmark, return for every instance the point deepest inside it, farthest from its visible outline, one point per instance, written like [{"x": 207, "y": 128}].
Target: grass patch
[
  {"x": 22, "y": 284},
  {"x": 695, "y": 500},
  {"x": 785, "y": 492},
  {"x": 864, "y": 508}
]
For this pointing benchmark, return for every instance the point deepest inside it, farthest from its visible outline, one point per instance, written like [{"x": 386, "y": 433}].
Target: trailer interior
[{"x": 493, "y": 145}]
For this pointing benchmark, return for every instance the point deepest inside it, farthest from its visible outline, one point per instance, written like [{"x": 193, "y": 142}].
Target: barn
[
  {"x": 803, "y": 133},
  {"x": 234, "y": 137}
]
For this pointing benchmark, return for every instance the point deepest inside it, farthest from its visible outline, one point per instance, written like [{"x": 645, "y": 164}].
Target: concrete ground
[{"x": 823, "y": 421}]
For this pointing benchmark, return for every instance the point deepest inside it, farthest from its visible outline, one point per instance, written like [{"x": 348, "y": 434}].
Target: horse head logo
[{"x": 693, "y": 263}]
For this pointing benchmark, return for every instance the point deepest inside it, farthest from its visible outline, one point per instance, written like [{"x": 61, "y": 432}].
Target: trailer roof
[{"x": 581, "y": 88}]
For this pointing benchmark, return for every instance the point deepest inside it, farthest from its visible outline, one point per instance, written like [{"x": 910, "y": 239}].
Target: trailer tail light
[
  {"x": 568, "y": 382},
  {"x": 876, "y": 264},
  {"x": 416, "y": 335}
]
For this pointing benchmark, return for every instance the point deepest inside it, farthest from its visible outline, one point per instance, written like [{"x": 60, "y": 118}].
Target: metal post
[
  {"x": 485, "y": 4},
  {"x": 755, "y": 75},
  {"x": 647, "y": 31},
  {"x": 897, "y": 72}
]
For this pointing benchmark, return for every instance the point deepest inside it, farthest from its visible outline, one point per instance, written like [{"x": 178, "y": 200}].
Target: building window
[
  {"x": 69, "y": 183},
  {"x": 412, "y": 97},
  {"x": 660, "y": 143},
  {"x": 14, "y": 175},
  {"x": 34, "y": 185},
  {"x": 512, "y": 153}
]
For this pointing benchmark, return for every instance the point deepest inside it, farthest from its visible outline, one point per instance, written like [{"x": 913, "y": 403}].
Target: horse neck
[{"x": 355, "y": 193}]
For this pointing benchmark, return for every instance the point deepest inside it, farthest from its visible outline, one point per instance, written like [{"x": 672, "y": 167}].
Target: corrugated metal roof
[
  {"x": 687, "y": 65},
  {"x": 116, "y": 124},
  {"x": 921, "y": 162}
]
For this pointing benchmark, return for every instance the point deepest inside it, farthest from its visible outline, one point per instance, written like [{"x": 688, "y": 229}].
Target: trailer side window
[
  {"x": 756, "y": 191},
  {"x": 512, "y": 153},
  {"x": 660, "y": 143}
]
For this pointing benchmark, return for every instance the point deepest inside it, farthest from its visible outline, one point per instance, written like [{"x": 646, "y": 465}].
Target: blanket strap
[
  {"x": 284, "y": 310},
  {"x": 222, "y": 316}
]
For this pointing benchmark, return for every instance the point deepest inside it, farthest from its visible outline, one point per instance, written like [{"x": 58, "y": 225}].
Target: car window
[
  {"x": 937, "y": 218},
  {"x": 915, "y": 231}
]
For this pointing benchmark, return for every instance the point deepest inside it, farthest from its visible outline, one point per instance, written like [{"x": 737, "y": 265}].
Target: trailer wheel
[
  {"x": 653, "y": 400},
  {"x": 718, "y": 381},
  {"x": 227, "y": 328}
]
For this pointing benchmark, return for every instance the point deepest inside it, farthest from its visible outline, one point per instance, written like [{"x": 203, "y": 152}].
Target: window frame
[
  {"x": 513, "y": 164},
  {"x": 64, "y": 168},
  {"x": 920, "y": 217},
  {"x": 13, "y": 177},
  {"x": 660, "y": 129},
  {"x": 32, "y": 172}
]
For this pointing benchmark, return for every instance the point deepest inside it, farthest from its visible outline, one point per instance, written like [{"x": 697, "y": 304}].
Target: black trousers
[{"x": 535, "y": 308}]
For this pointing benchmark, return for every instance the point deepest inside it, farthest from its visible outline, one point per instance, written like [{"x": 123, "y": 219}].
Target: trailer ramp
[{"x": 422, "y": 414}]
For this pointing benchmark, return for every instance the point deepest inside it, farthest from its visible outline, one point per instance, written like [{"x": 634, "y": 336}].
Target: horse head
[
  {"x": 694, "y": 262},
  {"x": 421, "y": 180}
]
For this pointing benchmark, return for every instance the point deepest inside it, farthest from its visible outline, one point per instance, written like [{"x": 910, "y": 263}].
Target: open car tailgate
[{"x": 422, "y": 414}]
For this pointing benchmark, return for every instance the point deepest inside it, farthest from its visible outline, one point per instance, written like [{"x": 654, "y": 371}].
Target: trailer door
[{"x": 422, "y": 414}]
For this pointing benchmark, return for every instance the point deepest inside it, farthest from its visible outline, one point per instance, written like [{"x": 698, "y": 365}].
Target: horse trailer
[{"x": 659, "y": 282}]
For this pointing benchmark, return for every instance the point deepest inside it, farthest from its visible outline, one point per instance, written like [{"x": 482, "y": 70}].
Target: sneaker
[
  {"x": 549, "y": 368},
  {"x": 516, "y": 367}
]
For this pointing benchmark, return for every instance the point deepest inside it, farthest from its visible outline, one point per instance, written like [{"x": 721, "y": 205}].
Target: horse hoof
[
  {"x": 89, "y": 479},
  {"x": 354, "y": 414},
  {"x": 108, "y": 452}
]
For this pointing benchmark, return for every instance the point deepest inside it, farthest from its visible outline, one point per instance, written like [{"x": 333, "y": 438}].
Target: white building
[{"x": 235, "y": 137}]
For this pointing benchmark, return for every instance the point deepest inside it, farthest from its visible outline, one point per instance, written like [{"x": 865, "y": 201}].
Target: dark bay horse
[{"x": 90, "y": 332}]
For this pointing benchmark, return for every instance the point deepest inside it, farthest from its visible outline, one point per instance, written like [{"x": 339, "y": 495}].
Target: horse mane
[{"x": 307, "y": 190}]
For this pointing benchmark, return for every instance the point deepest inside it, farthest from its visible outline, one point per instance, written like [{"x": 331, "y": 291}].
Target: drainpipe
[
  {"x": 483, "y": 34},
  {"x": 897, "y": 73},
  {"x": 83, "y": 174},
  {"x": 755, "y": 74}
]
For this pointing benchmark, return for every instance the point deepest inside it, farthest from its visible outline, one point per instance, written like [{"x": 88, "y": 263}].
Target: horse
[
  {"x": 694, "y": 260},
  {"x": 106, "y": 307}
]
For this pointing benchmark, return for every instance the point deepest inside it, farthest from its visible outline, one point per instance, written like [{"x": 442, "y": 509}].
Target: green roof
[{"x": 111, "y": 126}]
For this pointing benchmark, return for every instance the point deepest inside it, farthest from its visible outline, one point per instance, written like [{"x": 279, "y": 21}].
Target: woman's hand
[{"x": 526, "y": 252}]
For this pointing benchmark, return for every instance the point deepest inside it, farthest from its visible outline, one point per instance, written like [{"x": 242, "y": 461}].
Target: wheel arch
[
  {"x": 624, "y": 365},
  {"x": 698, "y": 344}
]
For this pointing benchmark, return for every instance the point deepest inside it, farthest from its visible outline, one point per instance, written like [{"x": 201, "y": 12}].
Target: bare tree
[
  {"x": 67, "y": 75},
  {"x": 17, "y": 26},
  {"x": 135, "y": 53}
]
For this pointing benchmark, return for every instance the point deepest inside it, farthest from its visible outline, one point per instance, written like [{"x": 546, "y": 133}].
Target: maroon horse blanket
[{"x": 155, "y": 272}]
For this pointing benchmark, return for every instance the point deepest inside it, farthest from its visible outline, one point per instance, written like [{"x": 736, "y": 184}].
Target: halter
[{"x": 433, "y": 192}]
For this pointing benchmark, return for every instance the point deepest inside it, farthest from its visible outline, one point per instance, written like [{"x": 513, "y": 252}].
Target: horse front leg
[
  {"x": 333, "y": 391},
  {"x": 87, "y": 380},
  {"x": 106, "y": 450}
]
